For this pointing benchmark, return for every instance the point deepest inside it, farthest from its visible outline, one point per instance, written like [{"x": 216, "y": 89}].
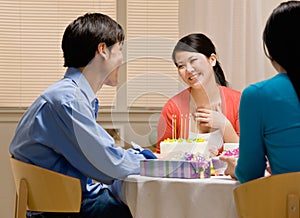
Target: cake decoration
[
  {"x": 191, "y": 145},
  {"x": 234, "y": 152}
]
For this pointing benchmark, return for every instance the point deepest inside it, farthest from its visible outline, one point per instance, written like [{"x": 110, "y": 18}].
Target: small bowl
[{"x": 230, "y": 146}]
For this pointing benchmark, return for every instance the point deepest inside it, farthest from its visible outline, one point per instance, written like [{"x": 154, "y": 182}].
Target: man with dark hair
[{"x": 59, "y": 131}]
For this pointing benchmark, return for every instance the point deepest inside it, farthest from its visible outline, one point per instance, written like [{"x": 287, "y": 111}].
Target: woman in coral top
[{"x": 207, "y": 105}]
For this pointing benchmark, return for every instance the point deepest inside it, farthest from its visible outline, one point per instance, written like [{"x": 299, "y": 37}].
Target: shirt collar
[{"x": 81, "y": 82}]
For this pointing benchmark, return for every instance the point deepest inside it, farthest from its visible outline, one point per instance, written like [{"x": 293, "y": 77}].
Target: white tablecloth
[{"x": 151, "y": 197}]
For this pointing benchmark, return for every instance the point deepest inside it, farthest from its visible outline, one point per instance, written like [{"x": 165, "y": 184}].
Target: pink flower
[{"x": 234, "y": 152}]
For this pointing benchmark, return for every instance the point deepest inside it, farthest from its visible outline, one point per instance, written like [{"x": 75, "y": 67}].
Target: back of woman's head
[
  {"x": 200, "y": 43},
  {"x": 82, "y": 36},
  {"x": 281, "y": 37}
]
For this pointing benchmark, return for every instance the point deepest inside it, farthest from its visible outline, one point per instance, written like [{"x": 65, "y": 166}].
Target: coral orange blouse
[{"x": 179, "y": 106}]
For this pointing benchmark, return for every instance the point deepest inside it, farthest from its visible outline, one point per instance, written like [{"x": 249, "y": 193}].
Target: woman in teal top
[{"x": 270, "y": 110}]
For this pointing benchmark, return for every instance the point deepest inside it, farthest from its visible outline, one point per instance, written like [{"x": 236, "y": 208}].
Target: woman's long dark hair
[
  {"x": 198, "y": 42},
  {"x": 281, "y": 37}
]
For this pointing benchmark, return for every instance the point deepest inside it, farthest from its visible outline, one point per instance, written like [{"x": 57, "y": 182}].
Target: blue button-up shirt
[{"x": 59, "y": 132}]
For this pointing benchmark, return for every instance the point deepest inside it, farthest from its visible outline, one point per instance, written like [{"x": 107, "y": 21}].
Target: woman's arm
[{"x": 216, "y": 120}]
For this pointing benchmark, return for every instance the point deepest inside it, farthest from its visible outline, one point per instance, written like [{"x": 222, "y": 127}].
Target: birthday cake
[{"x": 193, "y": 145}]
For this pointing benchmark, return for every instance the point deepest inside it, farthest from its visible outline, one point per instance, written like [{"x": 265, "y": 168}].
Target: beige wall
[{"x": 136, "y": 126}]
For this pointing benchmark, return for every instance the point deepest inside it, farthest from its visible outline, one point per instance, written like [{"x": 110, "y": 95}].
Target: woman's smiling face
[{"x": 195, "y": 69}]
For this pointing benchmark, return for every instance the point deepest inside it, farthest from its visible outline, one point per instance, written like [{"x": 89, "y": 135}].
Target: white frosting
[{"x": 184, "y": 146}]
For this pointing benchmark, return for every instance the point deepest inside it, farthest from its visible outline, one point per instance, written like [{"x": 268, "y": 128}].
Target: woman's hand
[
  {"x": 210, "y": 119},
  {"x": 231, "y": 163}
]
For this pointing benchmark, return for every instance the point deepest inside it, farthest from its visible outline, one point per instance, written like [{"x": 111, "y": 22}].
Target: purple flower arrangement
[{"x": 200, "y": 163}]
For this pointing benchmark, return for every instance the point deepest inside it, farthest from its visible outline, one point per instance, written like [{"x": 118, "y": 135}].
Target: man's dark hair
[{"x": 82, "y": 37}]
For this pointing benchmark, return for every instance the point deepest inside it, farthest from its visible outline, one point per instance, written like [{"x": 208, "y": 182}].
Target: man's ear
[{"x": 103, "y": 50}]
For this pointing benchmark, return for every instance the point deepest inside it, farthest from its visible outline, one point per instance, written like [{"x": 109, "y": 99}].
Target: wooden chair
[
  {"x": 269, "y": 197},
  {"x": 39, "y": 189}
]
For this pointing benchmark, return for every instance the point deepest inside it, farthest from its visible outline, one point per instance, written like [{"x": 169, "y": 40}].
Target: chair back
[
  {"x": 39, "y": 189},
  {"x": 269, "y": 197}
]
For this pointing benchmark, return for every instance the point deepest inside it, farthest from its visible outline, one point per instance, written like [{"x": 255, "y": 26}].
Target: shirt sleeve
[
  {"x": 90, "y": 148},
  {"x": 236, "y": 123},
  {"x": 232, "y": 103},
  {"x": 252, "y": 162}
]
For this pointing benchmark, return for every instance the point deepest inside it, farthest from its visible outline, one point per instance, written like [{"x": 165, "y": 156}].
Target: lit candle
[
  {"x": 181, "y": 125},
  {"x": 196, "y": 125},
  {"x": 175, "y": 126},
  {"x": 172, "y": 126},
  {"x": 189, "y": 124},
  {"x": 185, "y": 126}
]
